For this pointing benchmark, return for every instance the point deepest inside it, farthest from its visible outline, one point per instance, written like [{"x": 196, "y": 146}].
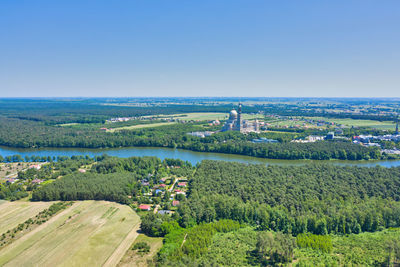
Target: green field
[
  {"x": 199, "y": 116},
  {"x": 139, "y": 126},
  {"x": 89, "y": 233},
  {"x": 68, "y": 124},
  {"x": 388, "y": 125},
  {"x": 291, "y": 123}
]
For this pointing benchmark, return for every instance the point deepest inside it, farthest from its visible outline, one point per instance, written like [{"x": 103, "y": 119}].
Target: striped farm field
[
  {"x": 88, "y": 233},
  {"x": 14, "y": 213}
]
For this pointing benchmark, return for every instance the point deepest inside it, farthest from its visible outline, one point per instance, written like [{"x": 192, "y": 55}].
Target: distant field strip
[
  {"x": 360, "y": 123},
  {"x": 86, "y": 234},
  {"x": 200, "y": 116},
  {"x": 139, "y": 126},
  {"x": 14, "y": 213}
]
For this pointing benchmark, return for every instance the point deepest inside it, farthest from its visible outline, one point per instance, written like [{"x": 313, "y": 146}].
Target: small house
[
  {"x": 145, "y": 207},
  {"x": 35, "y": 166},
  {"x": 164, "y": 212}
]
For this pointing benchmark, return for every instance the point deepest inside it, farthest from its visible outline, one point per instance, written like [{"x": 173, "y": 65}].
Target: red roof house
[
  {"x": 35, "y": 166},
  {"x": 37, "y": 181},
  {"x": 175, "y": 203},
  {"x": 145, "y": 207}
]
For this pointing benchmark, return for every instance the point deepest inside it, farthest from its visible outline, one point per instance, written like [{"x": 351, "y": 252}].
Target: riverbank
[{"x": 186, "y": 155}]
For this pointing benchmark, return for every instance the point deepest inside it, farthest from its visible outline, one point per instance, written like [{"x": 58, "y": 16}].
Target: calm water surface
[{"x": 162, "y": 153}]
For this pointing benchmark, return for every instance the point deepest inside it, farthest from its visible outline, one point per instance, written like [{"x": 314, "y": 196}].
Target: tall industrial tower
[
  {"x": 239, "y": 119},
  {"x": 397, "y": 126}
]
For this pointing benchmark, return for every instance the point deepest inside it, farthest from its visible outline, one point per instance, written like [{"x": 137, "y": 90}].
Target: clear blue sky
[{"x": 200, "y": 48}]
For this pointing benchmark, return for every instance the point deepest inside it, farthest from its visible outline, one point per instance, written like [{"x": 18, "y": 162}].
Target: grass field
[
  {"x": 89, "y": 233},
  {"x": 388, "y": 125},
  {"x": 68, "y": 124},
  {"x": 14, "y": 213},
  {"x": 291, "y": 123},
  {"x": 199, "y": 116},
  {"x": 133, "y": 127}
]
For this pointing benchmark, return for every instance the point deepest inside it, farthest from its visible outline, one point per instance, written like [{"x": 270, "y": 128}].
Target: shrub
[
  {"x": 317, "y": 242},
  {"x": 141, "y": 247}
]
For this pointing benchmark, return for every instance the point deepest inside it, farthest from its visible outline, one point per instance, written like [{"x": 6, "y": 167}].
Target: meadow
[
  {"x": 89, "y": 233},
  {"x": 141, "y": 126},
  {"x": 196, "y": 116}
]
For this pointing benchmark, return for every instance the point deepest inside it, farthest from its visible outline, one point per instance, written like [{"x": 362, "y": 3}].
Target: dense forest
[
  {"x": 320, "y": 199},
  {"x": 111, "y": 187}
]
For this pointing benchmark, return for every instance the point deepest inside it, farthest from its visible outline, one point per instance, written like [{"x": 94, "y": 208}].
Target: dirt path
[
  {"x": 173, "y": 185},
  {"x": 184, "y": 240},
  {"x": 156, "y": 208},
  {"x": 117, "y": 255}
]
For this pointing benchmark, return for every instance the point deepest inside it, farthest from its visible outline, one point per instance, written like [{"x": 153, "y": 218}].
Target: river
[{"x": 162, "y": 153}]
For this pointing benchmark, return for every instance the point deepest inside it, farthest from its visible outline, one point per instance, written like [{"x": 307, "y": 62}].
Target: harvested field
[
  {"x": 85, "y": 234},
  {"x": 14, "y": 213}
]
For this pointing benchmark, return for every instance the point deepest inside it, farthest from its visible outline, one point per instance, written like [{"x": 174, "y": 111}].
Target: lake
[
  {"x": 162, "y": 153},
  {"x": 186, "y": 155}
]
